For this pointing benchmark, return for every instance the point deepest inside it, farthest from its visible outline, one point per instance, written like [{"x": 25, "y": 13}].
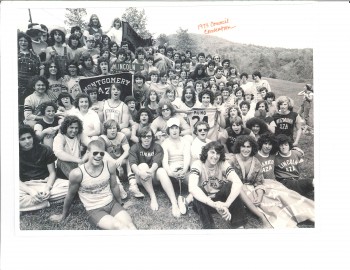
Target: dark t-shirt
[
  {"x": 138, "y": 155},
  {"x": 232, "y": 136},
  {"x": 33, "y": 163}
]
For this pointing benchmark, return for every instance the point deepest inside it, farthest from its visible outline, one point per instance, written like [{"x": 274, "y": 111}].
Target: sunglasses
[
  {"x": 96, "y": 153},
  {"x": 202, "y": 129},
  {"x": 147, "y": 136}
]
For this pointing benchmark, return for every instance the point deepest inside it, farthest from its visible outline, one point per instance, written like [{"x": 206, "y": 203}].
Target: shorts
[{"x": 95, "y": 215}]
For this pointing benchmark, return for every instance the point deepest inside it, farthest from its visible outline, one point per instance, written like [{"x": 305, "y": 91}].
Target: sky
[{"x": 272, "y": 24}]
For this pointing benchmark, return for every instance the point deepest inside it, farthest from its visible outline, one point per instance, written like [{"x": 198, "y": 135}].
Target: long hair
[
  {"x": 257, "y": 121},
  {"x": 144, "y": 110},
  {"x": 268, "y": 138},
  {"x": 218, "y": 147},
  {"x": 193, "y": 92},
  {"x": 23, "y": 129},
  {"x": 47, "y": 68},
  {"x": 90, "y": 21},
  {"x": 24, "y": 35},
  {"x": 240, "y": 142}
]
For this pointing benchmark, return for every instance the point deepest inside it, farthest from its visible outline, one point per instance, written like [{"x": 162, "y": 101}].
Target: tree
[
  {"x": 162, "y": 39},
  {"x": 137, "y": 20},
  {"x": 184, "y": 41},
  {"x": 75, "y": 17}
]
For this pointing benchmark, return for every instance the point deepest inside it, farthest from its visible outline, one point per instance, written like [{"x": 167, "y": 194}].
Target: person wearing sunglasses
[
  {"x": 96, "y": 184},
  {"x": 145, "y": 157},
  {"x": 200, "y": 129}
]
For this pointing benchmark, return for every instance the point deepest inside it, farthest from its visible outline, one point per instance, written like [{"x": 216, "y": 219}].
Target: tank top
[
  {"x": 285, "y": 123},
  {"x": 110, "y": 112},
  {"x": 95, "y": 192}
]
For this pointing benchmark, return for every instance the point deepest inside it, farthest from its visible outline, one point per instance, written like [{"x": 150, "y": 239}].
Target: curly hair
[
  {"x": 80, "y": 96},
  {"x": 47, "y": 68},
  {"x": 64, "y": 95},
  {"x": 144, "y": 110},
  {"x": 257, "y": 121},
  {"x": 240, "y": 142},
  {"x": 35, "y": 79},
  {"x": 23, "y": 129},
  {"x": 282, "y": 139},
  {"x": 24, "y": 35},
  {"x": 168, "y": 103},
  {"x": 69, "y": 120},
  {"x": 75, "y": 37},
  {"x": 206, "y": 92},
  {"x": 43, "y": 106},
  {"x": 218, "y": 147},
  {"x": 108, "y": 124},
  {"x": 52, "y": 35},
  {"x": 268, "y": 138}
]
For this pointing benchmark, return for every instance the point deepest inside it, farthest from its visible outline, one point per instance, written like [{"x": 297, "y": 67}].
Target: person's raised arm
[{"x": 75, "y": 178}]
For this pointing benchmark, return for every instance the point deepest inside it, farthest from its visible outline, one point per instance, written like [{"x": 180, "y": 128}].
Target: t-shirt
[
  {"x": 267, "y": 164},
  {"x": 288, "y": 167},
  {"x": 33, "y": 163},
  {"x": 285, "y": 123},
  {"x": 211, "y": 180},
  {"x": 115, "y": 146},
  {"x": 47, "y": 125},
  {"x": 138, "y": 154},
  {"x": 232, "y": 137}
]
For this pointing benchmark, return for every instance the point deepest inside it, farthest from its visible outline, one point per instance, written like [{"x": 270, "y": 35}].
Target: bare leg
[
  {"x": 254, "y": 209},
  {"x": 165, "y": 181},
  {"x": 121, "y": 221},
  {"x": 148, "y": 185}
]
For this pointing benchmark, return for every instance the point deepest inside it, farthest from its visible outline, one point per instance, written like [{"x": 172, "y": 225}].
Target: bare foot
[
  {"x": 154, "y": 204},
  {"x": 176, "y": 211}
]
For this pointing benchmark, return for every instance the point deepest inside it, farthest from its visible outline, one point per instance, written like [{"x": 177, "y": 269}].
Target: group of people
[{"x": 193, "y": 124}]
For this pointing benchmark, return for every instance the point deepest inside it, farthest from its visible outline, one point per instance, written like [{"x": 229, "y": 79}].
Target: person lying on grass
[
  {"x": 96, "y": 183},
  {"x": 38, "y": 184},
  {"x": 215, "y": 187}
]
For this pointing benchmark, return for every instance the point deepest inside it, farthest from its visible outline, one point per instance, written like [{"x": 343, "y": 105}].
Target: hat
[
  {"x": 34, "y": 29},
  {"x": 173, "y": 122},
  {"x": 128, "y": 99},
  {"x": 58, "y": 28},
  {"x": 309, "y": 87},
  {"x": 90, "y": 37}
]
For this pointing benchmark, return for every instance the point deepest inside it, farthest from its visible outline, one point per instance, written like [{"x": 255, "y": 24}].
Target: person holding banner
[
  {"x": 166, "y": 112},
  {"x": 116, "y": 109},
  {"x": 215, "y": 117}
]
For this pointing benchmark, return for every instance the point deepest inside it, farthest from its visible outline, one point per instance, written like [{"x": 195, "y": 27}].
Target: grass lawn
[{"x": 146, "y": 219}]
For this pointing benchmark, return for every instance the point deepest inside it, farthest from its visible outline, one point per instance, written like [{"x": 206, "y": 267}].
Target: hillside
[{"x": 287, "y": 64}]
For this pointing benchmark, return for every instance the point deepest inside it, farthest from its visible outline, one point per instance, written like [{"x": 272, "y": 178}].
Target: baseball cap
[{"x": 173, "y": 122}]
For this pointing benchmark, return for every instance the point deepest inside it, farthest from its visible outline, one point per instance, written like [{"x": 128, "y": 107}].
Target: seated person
[
  {"x": 38, "y": 184},
  {"x": 200, "y": 129},
  {"x": 67, "y": 144},
  {"x": 96, "y": 183},
  {"x": 176, "y": 163},
  {"x": 215, "y": 187}
]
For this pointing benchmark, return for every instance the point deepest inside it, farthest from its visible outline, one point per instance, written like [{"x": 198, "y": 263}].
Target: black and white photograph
[{"x": 183, "y": 118}]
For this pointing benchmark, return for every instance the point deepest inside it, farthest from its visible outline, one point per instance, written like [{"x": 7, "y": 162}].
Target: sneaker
[
  {"x": 123, "y": 193},
  {"x": 134, "y": 190},
  {"x": 181, "y": 201}
]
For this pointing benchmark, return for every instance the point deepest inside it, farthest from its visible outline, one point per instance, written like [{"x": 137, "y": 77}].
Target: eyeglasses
[
  {"x": 203, "y": 129},
  {"x": 147, "y": 136},
  {"x": 96, "y": 153},
  {"x": 165, "y": 110}
]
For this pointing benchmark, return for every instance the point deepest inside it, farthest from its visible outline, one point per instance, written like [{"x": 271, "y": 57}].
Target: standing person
[
  {"x": 87, "y": 67},
  {"x": 31, "y": 103},
  {"x": 151, "y": 103},
  {"x": 145, "y": 157},
  {"x": 262, "y": 112},
  {"x": 248, "y": 87},
  {"x": 116, "y": 31},
  {"x": 271, "y": 103},
  {"x": 259, "y": 83},
  {"x": 269, "y": 200},
  {"x": 308, "y": 94},
  {"x": 59, "y": 50},
  {"x": 285, "y": 119},
  {"x": 215, "y": 187},
  {"x": 67, "y": 143},
  {"x": 38, "y": 184},
  {"x": 116, "y": 109},
  {"x": 96, "y": 183},
  {"x": 53, "y": 74},
  {"x": 90, "y": 48},
  {"x": 71, "y": 80},
  {"x": 176, "y": 163},
  {"x": 96, "y": 105},
  {"x": 287, "y": 169},
  {"x": 28, "y": 66},
  {"x": 35, "y": 31},
  {"x": 75, "y": 45},
  {"x": 94, "y": 27},
  {"x": 257, "y": 126},
  {"x": 76, "y": 30},
  {"x": 140, "y": 89}
]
